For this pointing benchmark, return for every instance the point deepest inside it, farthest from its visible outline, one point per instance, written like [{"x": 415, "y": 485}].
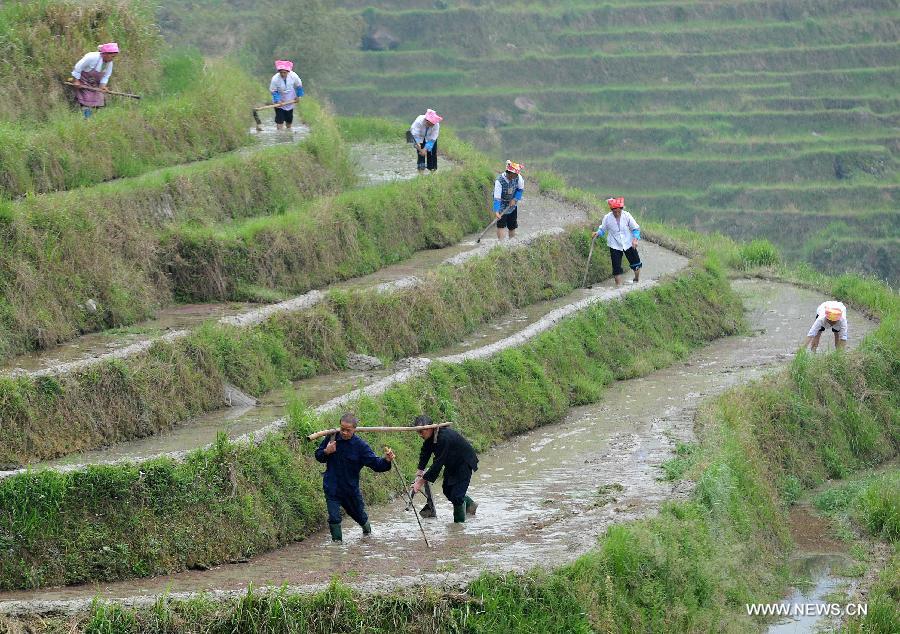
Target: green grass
[
  {"x": 103, "y": 242},
  {"x": 123, "y": 399},
  {"x": 187, "y": 515}
]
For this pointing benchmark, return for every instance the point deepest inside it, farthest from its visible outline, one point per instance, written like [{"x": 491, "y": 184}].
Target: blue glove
[
  {"x": 276, "y": 97},
  {"x": 636, "y": 233},
  {"x": 299, "y": 91},
  {"x": 429, "y": 145},
  {"x": 601, "y": 231}
]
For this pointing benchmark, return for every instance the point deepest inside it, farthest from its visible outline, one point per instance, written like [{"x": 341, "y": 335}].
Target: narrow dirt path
[{"x": 544, "y": 496}]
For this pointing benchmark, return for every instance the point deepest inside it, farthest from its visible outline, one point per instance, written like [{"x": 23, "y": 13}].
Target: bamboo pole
[
  {"x": 328, "y": 432},
  {"x": 105, "y": 92},
  {"x": 276, "y": 105}
]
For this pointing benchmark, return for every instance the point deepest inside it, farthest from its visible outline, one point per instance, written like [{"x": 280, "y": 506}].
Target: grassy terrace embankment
[
  {"x": 695, "y": 565},
  {"x": 119, "y": 400},
  {"x": 738, "y": 95},
  {"x": 192, "y": 110},
  {"x": 105, "y": 242},
  {"x": 231, "y": 501}
]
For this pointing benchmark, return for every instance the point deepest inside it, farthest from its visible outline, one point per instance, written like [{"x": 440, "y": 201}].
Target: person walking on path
[
  {"x": 508, "y": 190},
  {"x": 452, "y": 453},
  {"x": 622, "y": 235},
  {"x": 344, "y": 456},
  {"x": 830, "y": 314},
  {"x": 425, "y": 131},
  {"x": 286, "y": 87},
  {"x": 94, "y": 70}
]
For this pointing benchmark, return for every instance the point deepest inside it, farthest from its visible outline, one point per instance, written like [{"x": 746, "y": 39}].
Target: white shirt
[
  {"x": 819, "y": 324},
  {"x": 286, "y": 87},
  {"x": 423, "y": 133},
  {"x": 618, "y": 232},
  {"x": 93, "y": 61}
]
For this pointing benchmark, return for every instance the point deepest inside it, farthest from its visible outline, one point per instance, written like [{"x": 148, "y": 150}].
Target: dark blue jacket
[{"x": 343, "y": 466}]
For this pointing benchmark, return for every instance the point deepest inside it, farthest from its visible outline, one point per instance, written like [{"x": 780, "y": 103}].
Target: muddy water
[
  {"x": 544, "y": 496},
  {"x": 270, "y": 135},
  {"x": 808, "y": 600},
  {"x": 239, "y": 421}
]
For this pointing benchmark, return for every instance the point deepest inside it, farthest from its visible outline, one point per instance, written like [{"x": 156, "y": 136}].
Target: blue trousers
[{"x": 351, "y": 503}]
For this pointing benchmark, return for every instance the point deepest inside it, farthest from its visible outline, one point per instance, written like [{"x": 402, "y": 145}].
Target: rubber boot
[
  {"x": 471, "y": 506},
  {"x": 427, "y": 511},
  {"x": 336, "y": 535},
  {"x": 459, "y": 513},
  {"x": 367, "y": 529}
]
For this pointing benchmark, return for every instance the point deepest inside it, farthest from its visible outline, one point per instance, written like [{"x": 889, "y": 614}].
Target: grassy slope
[
  {"x": 232, "y": 501},
  {"x": 622, "y": 77},
  {"x": 105, "y": 243},
  {"x": 148, "y": 393}
]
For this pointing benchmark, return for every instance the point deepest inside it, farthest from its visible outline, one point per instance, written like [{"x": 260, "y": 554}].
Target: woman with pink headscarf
[
  {"x": 94, "y": 70},
  {"x": 425, "y": 130},
  {"x": 286, "y": 89}
]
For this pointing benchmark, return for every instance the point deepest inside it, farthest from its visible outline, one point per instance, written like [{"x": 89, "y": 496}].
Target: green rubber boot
[
  {"x": 471, "y": 506},
  {"x": 367, "y": 529},
  {"x": 336, "y": 535},
  {"x": 459, "y": 513}
]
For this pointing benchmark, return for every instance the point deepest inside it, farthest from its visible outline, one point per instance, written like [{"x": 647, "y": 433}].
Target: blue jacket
[{"x": 343, "y": 466}]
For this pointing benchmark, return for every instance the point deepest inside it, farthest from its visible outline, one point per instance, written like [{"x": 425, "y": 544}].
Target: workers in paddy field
[
  {"x": 833, "y": 315},
  {"x": 345, "y": 454},
  {"x": 508, "y": 190},
  {"x": 286, "y": 88},
  {"x": 93, "y": 71},
  {"x": 452, "y": 453},
  {"x": 424, "y": 133},
  {"x": 622, "y": 235}
]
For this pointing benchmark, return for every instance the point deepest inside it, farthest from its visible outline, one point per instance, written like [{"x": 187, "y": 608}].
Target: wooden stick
[
  {"x": 276, "y": 105},
  {"x": 326, "y": 432},
  {"x": 105, "y": 92}
]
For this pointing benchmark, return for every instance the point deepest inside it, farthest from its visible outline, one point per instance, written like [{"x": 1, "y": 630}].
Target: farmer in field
[
  {"x": 286, "y": 88},
  {"x": 622, "y": 235},
  {"x": 452, "y": 453},
  {"x": 833, "y": 315},
  {"x": 344, "y": 455},
  {"x": 93, "y": 71},
  {"x": 508, "y": 190},
  {"x": 425, "y": 130}
]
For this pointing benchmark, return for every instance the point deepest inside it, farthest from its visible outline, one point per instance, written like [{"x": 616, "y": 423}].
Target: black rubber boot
[
  {"x": 459, "y": 513},
  {"x": 336, "y": 535},
  {"x": 367, "y": 529},
  {"x": 427, "y": 511},
  {"x": 471, "y": 506}
]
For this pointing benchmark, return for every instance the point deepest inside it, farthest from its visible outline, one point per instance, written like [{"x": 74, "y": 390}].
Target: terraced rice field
[{"x": 756, "y": 118}]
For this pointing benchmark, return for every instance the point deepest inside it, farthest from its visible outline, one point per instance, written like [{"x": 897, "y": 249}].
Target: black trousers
[
  {"x": 429, "y": 160},
  {"x": 455, "y": 489},
  {"x": 634, "y": 260}
]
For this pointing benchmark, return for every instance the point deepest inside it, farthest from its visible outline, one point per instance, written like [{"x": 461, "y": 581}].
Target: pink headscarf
[
  {"x": 109, "y": 47},
  {"x": 432, "y": 117},
  {"x": 283, "y": 64}
]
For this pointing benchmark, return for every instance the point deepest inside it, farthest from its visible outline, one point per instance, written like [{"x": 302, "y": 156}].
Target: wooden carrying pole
[
  {"x": 276, "y": 105},
  {"x": 105, "y": 92},
  {"x": 328, "y": 432}
]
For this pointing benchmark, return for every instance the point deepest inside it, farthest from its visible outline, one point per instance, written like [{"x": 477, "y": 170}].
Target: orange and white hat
[
  {"x": 616, "y": 203},
  {"x": 515, "y": 168},
  {"x": 833, "y": 311}
]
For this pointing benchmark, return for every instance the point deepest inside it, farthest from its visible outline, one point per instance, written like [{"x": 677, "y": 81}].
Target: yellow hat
[{"x": 833, "y": 313}]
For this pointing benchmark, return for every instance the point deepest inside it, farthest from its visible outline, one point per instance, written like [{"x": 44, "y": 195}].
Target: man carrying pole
[
  {"x": 91, "y": 75},
  {"x": 345, "y": 454},
  {"x": 508, "y": 190},
  {"x": 452, "y": 453}
]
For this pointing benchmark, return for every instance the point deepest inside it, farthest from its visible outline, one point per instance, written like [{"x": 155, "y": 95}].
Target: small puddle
[
  {"x": 270, "y": 135},
  {"x": 808, "y": 603},
  {"x": 545, "y": 496}
]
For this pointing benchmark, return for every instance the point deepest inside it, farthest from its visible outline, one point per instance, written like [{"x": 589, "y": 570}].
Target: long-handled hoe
[
  {"x": 493, "y": 222},
  {"x": 271, "y": 105},
  {"x": 587, "y": 267},
  {"x": 409, "y": 497}
]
